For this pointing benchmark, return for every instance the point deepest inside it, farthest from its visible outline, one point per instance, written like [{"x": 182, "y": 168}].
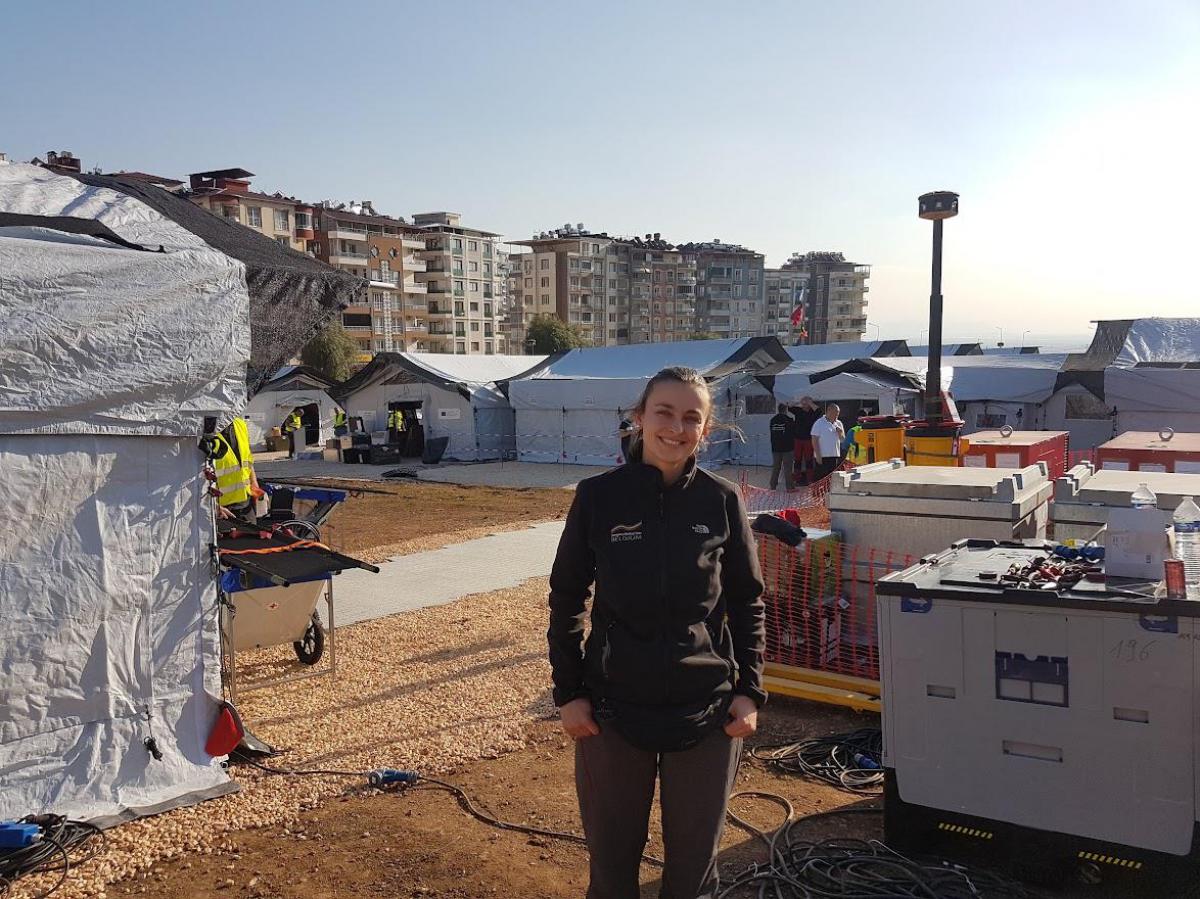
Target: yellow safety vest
[
  {"x": 339, "y": 419},
  {"x": 396, "y": 420},
  {"x": 233, "y": 466},
  {"x": 857, "y": 453},
  {"x": 293, "y": 423}
]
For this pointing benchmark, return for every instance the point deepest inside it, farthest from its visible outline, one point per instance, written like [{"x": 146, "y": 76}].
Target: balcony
[
  {"x": 458, "y": 273},
  {"x": 436, "y": 311},
  {"x": 341, "y": 232},
  {"x": 336, "y": 256},
  {"x": 435, "y": 289},
  {"x": 383, "y": 279},
  {"x": 685, "y": 279},
  {"x": 414, "y": 287},
  {"x": 459, "y": 292},
  {"x": 413, "y": 243},
  {"x": 413, "y": 264}
]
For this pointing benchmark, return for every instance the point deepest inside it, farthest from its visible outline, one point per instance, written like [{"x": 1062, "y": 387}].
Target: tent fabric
[
  {"x": 843, "y": 351},
  {"x": 293, "y": 386},
  {"x": 109, "y": 360},
  {"x": 1010, "y": 350},
  {"x": 712, "y": 358},
  {"x": 293, "y": 295},
  {"x": 99, "y": 339},
  {"x": 950, "y": 349},
  {"x": 1160, "y": 340},
  {"x": 1162, "y": 391}
]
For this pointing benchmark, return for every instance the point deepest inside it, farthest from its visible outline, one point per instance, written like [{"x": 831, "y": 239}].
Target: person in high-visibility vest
[
  {"x": 234, "y": 466},
  {"x": 856, "y": 453},
  {"x": 292, "y": 426},
  {"x": 339, "y": 423},
  {"x": 395, "y": 423}
]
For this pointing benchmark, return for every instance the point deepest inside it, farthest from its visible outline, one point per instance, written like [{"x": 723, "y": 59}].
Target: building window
[
  {"x": 544, "y": 264},
  {"x": 472, "y": 266},
  {"x": 475, "y": 326},
  {"x": 474, "y": 346},
  {"x": 473, "y": 246},
  {"x": 545, "y": 282},
  {"x": 282, "y": 220},
  {"x": 458, "y": 288},
  {"x": 230, "y": 213},
  {"x": 458, "y": 307},
  {"x": 460, "y": 347},
  {"x": 457, "y": 245},
  {"x": 487, "y": 269},
  {"x": 284, "y": 241},
  {"x": 487, "y": 309},
  {"x": 460, "y": 329},
  {"x": 753, "y": 274},
  {"x": 474, "y": 306},
  {"x": 528, "y": 266},
  {"x": 528, "y": 283},
  {"x": 254, "y": 216},
  {"x": 487, "y": 347},
  {"x": 545, "y": 299}
]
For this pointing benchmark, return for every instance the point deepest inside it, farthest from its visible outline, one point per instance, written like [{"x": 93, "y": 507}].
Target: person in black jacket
[
  {"x": 783, "y": 445},
  {"x": 669, "y": 679}
]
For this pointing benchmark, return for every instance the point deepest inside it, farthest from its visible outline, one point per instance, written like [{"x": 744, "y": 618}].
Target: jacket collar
[{"x": 652, "y": 475}]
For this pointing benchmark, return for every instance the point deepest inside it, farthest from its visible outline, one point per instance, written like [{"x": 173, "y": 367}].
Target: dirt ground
[
  {"x": 387, "y": 519},
  {"x": 421, "y": 842}
]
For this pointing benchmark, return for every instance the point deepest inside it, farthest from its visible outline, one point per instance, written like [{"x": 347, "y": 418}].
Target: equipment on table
[
  {"x": 1037, "y": 716},
  {"x": 273, "y": 575},
  {"x": 882, "y": 437}
]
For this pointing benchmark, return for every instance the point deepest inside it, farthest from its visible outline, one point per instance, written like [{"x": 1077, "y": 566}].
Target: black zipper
[{"x": 664, "y": 611}]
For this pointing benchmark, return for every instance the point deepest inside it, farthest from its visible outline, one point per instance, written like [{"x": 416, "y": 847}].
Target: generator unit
[{"x": 1038, "y": 727}]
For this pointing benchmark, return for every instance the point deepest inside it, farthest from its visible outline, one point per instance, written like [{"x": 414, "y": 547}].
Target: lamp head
[{"x": 939, "y": 204}]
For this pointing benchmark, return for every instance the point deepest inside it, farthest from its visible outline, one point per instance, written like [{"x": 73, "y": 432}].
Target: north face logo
[
  {"x": 624, "y": 533},
  {"x": 700, "y": 528}
]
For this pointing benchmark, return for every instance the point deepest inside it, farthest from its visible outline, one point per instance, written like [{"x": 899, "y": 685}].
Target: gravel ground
[{"x": 429, "y": 690}]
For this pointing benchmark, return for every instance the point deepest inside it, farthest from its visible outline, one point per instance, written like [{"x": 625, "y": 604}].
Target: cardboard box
[{"x": 1136, "y": 544}]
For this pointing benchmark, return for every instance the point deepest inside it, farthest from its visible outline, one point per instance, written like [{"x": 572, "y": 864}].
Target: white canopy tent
[
  {"x": 1149, "y": 398},
  {"x": 111, "y": 356},
  {"x": 569, "y": 409},
  {"x": 458, "y": 394},
  {"x": 292, "y": 387}
]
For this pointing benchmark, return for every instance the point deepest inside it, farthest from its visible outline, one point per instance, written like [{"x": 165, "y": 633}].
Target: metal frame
[{"x": 228, "y": 614}]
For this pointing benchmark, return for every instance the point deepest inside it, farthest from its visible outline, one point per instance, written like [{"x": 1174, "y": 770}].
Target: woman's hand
[
  {"x": 577, "y": 718},
  {"x": 743, "y": 717}
]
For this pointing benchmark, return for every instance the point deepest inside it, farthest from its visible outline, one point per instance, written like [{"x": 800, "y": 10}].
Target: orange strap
[{"x": 299, "y": 544}]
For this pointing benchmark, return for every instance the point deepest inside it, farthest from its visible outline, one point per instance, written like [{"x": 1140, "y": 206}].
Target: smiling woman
[{"x": 670, "y": 678}]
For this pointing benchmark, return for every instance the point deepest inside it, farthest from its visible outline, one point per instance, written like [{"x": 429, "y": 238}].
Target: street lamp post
[
  {"x": 936, "y": 207},
  {"x": 876, "y": 327}
]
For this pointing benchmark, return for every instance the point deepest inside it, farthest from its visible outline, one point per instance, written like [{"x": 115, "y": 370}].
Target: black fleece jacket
[{"x": 677, "y": 617}]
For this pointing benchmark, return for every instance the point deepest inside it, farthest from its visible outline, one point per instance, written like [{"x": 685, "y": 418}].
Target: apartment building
[
  {"x": 227, "y": 193},
  {"x": 729, "y": 292},
  {"x": 784, "y": 291},
  {"x": 616, "y": 290},
  {"x": 836, "y": 301},
  {"x": 387, "y": 252},
  {"x": 464, "y": 284}
]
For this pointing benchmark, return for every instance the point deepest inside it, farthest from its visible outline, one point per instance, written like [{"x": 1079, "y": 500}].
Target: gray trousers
[
  {"x": 615, "y": 782},
  {"x": 786, "y": 461}
]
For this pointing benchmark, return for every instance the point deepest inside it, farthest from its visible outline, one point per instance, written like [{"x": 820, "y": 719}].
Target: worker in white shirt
[{"x": 827, "y": 436}]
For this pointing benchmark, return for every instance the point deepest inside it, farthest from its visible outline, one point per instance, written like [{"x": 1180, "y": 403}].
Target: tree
[
  {"x": 549, "y": 334},
  {"x": 705, "y": 335},
  {"x": 332, "y": 352}
]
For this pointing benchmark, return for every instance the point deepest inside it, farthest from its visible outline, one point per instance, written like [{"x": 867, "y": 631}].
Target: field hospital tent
[
  {"x": 840, "y": 352},
  {"x": 993, "y": 391},
  {"x": 120, "y": 332},
  {"x": 569, "y": 409},
  {"x": 292, "y": 387},
  {"x": 828, "y": 378},
  {"x": 457, "y": 394}
]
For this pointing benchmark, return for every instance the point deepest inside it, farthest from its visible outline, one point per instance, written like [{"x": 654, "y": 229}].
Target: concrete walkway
[{"x": 444, "y": 575}]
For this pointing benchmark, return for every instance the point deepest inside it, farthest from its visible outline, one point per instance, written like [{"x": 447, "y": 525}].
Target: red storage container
[
  {"x": 1018, "y": 449},
  {"x": 1150, "y": 451}
]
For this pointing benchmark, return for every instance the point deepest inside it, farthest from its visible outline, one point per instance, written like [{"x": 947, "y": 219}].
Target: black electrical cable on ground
[
  {"x": 851, "y": 761},
  {"x": 62, "y": 844},
  {"x": 854, "y": 868}
]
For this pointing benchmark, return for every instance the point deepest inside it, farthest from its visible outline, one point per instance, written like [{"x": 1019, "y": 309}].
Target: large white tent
[
  {"x": 569, "y": 409},
  {"x": 111, "y": 356},
  {"x": 458, "y": 396},
  {"x": 292, "y": 387}
]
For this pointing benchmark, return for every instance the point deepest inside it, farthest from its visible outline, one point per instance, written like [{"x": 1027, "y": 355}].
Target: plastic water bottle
[
  {"x": 1143, "y": 498},
  {"x": 1186, "y": 525}
]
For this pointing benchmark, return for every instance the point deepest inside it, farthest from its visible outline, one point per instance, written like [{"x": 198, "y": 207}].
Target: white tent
[
  {"x": 840, "y": 352},
  {"x": 458, "y": 394},
  {"x": 994, "y": 391},
  {"x": 292, "y": 387},
  {"x": 856, "y": 383},
  {"x": 569, "y": 409},
  {"x": 110, "y": 358},
  {"x": 1149, "y": 398}
]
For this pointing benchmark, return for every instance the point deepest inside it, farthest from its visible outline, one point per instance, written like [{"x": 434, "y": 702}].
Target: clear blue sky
[{"x": 1070, "y": 129}]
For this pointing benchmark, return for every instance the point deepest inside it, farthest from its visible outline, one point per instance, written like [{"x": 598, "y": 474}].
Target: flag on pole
[{"x": 798, "y": 312}]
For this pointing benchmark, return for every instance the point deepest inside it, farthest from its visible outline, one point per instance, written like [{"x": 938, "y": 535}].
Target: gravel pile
[{"x": 428, "y": 690}]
